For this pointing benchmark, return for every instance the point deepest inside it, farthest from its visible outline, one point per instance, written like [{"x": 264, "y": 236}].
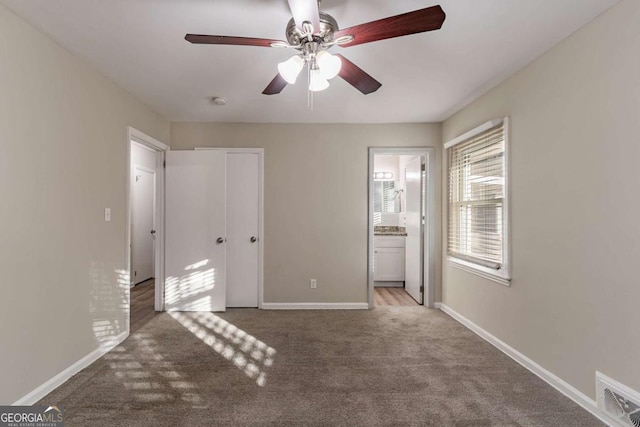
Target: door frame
[
  {"x": 134, "y": 135},
  {"x": 260, "y": 153},
  {"x": 154, "y": 172},
  {"x": 428, "y": 230}
]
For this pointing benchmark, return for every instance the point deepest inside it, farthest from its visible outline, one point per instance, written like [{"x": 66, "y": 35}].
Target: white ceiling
[{"x": 425, "y": 77}]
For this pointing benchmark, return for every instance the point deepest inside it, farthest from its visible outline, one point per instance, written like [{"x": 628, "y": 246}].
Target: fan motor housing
[{"x": 328, "y": 26}]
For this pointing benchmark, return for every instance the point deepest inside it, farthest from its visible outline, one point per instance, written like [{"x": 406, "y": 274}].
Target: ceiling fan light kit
[
  {"x": 290, "y": 68},
  {"x": 329, "y": 64},
  {"x": 313, "y": 32},
  {"x": 322, "y": 66},
  {"x": 317, "y": 82}
]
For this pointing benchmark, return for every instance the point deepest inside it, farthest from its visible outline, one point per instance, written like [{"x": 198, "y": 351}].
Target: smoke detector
[{"x": 219, "y": 100}]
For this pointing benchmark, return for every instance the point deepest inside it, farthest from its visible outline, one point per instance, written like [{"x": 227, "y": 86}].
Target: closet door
[
  {"x": 195, "y": 237},
  {"x": 243, "y": 182}
]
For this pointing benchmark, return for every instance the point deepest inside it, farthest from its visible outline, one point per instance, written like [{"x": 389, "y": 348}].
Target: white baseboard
[
  {"x": 55, "y": 382},
  {"x": 315, "y": 306},
  {"x": 437, "y": 305},
  {"x": 556, "y": 382}
]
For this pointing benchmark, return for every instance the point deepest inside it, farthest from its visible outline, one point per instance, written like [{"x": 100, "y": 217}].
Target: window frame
[{"x": 503, "y": 275}]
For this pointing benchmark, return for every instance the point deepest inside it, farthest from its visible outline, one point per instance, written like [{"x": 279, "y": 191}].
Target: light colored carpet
[{"x": 387, "y": 366}]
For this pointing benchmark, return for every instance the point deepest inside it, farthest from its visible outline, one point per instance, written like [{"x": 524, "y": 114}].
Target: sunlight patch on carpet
[{"x": 245, "y": 351}]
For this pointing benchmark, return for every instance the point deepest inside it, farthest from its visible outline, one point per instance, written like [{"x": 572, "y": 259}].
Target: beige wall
[
  {"x": 573, "y": 304},
  {"x": 315, "y": 199},
  {"x": 62, "y": 161}
]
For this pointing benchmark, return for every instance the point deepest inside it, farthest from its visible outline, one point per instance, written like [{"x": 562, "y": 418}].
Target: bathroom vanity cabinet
[{"x": 388, "y": 258}]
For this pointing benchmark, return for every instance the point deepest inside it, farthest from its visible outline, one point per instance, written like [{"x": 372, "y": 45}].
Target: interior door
[
  {"x": 142, "y": 224},
  {"x": 413, "y": 254},
  {"x": 195, "y": 231},
  {"x": 243, "y": 182}
]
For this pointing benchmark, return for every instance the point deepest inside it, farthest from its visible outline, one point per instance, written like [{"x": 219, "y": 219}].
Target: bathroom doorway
[{"x": 401, "y": 244}]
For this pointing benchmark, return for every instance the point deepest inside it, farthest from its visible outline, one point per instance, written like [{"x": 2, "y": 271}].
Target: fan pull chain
[
  {"x": 308, "y": 83},
  {"x": 309, "y": 92}
]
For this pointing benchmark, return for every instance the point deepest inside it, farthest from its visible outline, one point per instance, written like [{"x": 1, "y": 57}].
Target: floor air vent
[{"x": 620, "y": 403}]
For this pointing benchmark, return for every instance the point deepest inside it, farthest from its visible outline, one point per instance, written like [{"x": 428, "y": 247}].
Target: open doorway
[
  {"x": 401, "y": 200},
  {"x": 145, "y": 227},
  {"x": 143, "y": 198}
]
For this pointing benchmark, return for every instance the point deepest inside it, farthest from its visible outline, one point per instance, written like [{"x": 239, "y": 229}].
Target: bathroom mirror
[{"x": 386, "y": 197}]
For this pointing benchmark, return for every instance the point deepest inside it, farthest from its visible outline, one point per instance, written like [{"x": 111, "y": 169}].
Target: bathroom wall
[{"x": 388, "y": 163}]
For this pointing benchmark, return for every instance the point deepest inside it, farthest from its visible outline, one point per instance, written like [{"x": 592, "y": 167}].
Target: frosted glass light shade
[
  {"x": 329, "y": 64},
  {"x": 317, "y": 81},
  {"x": 290, "y": 69}
]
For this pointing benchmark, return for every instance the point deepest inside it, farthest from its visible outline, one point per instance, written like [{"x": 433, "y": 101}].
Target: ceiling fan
[{"x": 312, "y": 33}]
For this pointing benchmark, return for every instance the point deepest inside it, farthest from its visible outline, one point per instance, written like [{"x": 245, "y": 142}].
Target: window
[{"x": 478, "y": 218}]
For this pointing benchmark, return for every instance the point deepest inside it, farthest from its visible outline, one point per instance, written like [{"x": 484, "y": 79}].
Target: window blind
[{"x": 477, "y": 197}]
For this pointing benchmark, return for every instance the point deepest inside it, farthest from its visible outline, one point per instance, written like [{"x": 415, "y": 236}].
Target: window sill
[{"x": 481, "y": 271}]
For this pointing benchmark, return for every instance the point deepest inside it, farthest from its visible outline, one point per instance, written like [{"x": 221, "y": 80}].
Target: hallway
[{"x": 142, "y": 309}]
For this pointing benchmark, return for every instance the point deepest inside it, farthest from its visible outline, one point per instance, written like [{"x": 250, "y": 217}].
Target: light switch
[{"x": 107, "y": 214}]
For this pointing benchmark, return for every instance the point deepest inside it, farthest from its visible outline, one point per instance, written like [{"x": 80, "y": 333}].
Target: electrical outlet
[
  {"x": 313, "y": 283},
  {"x": 107, "y": 214}
]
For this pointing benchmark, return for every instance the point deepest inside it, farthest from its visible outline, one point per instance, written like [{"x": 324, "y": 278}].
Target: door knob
[
  {"x": 253, "y": 239},
  {"x": 220, "y": 240},
  {"x": 153, "y": 231}
]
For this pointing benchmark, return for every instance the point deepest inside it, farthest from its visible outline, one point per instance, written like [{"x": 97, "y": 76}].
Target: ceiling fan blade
[
  {"x": 357, "y": 77},
  {"x": 418, "y": 21},
  {"x": 305, "y": 10},
  {"x": 237, "y": 41},
  {"x": 276, "y": 86}
]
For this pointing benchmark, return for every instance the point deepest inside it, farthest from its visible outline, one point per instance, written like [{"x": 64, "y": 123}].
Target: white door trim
[
  {"x": 260, "y": 153},
  {"x": 144, "y": 139},
  {"x": 134, "y": 135},
  {"x": 429, "y": 227}
]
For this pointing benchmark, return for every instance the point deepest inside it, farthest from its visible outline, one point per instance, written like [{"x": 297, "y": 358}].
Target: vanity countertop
[{"x": 389, "y": 230}]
